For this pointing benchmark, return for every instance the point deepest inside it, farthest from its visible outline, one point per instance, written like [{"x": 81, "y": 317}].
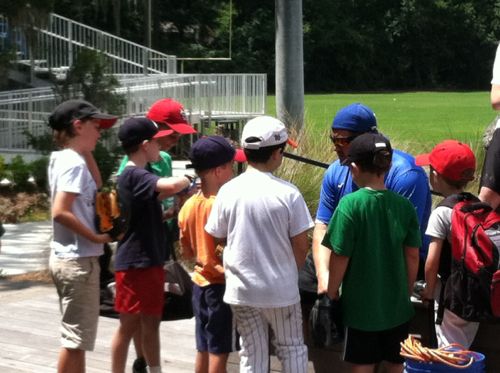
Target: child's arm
[
  {"x": 93, "y": 169},
  {"x": 168, "y": 186},
  {"x": 63, "y": 214},
  {"x": 411, "y": 258},
  {"x": 432, "y": 267},
  {"x": 338, "y": 266},
  {"x": 300, "y": 246}
]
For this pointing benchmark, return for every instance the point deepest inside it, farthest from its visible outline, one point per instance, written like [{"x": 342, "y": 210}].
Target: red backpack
[{"x": 472, "y": 290}]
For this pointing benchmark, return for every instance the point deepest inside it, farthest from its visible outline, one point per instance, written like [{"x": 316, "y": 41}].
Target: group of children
[{"x": 248, "y": 237}]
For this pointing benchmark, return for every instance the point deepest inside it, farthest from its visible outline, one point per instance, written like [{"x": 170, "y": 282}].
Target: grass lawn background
[{"x": 416, "y": 119}]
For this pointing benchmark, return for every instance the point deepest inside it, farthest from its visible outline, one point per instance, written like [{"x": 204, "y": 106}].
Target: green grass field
[
  {"x": 414, "y": 121},
  {"x": 417, "y": 119}
]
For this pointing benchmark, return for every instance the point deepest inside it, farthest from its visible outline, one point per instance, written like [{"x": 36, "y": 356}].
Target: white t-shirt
[
  {"x": 439, "y": 225},
  {"x": 258, "y": 213},
  {"x": 68, "y": 172},
  {"x": 496, "y": 68}
]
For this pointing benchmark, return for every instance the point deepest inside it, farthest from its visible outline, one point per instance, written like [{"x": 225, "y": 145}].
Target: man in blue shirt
[{"x": 404, "y": 178}]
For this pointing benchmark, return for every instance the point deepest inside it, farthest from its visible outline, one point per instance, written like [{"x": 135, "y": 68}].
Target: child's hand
[
  {"x": 219, "y": 250},
  {"x": 103, "y": 238},
  {"x": 169, "y": 213},
  {"x": 427, "y": 294}
]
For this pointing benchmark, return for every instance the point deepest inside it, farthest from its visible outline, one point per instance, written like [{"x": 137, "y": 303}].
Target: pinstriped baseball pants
[{"x": 253, "y": 325}]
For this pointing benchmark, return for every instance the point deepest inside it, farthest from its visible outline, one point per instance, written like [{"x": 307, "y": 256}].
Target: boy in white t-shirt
[
  {"x": 76, "y": 246},
  {"x": 452, "y": 166},
  {"x": 265, "y": 221}
]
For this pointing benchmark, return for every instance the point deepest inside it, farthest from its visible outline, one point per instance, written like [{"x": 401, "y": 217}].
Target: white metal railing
[
  {"x": 204, "y": 96},
  {"x": 62, "y": 38}
]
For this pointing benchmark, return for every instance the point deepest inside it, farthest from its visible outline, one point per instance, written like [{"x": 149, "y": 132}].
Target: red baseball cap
[
  {"x": 452, "y": 159},
  {"x": 170, "y": 112},
  {"x": 240, "y": 156}
]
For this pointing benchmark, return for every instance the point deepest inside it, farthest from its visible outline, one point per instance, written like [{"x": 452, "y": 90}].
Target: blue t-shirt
[
  {"x": 404, "y": 178},
  {"x": 144, "y": 242}
]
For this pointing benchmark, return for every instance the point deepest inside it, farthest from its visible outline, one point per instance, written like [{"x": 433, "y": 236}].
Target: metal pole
[
  {"x": 148, "y": 36},
  {"x": 289, "y": 63}
]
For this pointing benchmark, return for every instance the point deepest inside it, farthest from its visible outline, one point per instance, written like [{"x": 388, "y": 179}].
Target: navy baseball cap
[
  {"x": 135, "y": 130},
  {"x": 65, "y": 113},
  {"x": 356, "y": 118},
  {"x": 212, "y": 151},
  {"x": 366, "y": 146}
]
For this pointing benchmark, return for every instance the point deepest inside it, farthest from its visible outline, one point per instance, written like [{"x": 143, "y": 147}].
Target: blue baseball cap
[
  {"x": 135, "y": 130},
  {"x": 356, "y": 118},
  {"x": 212, "y": 151}
]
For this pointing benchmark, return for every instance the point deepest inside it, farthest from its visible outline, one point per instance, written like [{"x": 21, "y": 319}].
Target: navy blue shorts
[
  {"x": 214, "y": 320},
  {"x": 362, "y": 347}
]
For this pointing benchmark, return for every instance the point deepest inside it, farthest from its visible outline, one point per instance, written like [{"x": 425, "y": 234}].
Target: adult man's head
[
  {"x": 169, "y": 115},
  {"x": 350, "y": 122}
]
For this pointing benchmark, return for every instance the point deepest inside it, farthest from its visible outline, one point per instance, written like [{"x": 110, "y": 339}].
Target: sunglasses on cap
[{"x": 342, "y": 140}]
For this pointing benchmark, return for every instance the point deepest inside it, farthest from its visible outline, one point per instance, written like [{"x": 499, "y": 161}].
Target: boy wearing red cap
[
  {"x": 212, "y": 158},
  {"x": 452, "y": 166}
]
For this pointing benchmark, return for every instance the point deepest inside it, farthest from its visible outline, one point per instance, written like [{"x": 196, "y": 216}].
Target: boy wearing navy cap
[
  {"x": 170, "y": 116},
  {"x": 139, "y": 258},
  {"x": 212, "y": 158},
  {"x": 374, "y": 238}
]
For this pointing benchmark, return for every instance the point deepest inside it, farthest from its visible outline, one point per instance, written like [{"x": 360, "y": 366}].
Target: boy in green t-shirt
[{"x": 374, "y": 237}]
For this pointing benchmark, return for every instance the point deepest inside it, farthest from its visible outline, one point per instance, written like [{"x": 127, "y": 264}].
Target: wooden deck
[
  {"x": 29, "y": 334},
  {"x": 29, "y": 337}
]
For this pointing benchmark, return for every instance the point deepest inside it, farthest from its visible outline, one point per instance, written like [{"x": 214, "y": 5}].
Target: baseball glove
[
  {"x": 110, "y": 215},
  {"x": 326, "y": 323}
]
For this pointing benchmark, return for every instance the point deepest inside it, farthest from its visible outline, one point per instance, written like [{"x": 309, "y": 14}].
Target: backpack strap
[
  {"x": 453, "y": 199},
  {"x": 440, "y": 310}
]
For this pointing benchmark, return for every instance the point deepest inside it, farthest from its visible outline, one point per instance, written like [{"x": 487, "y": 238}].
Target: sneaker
[{"x": 139, "y": 366}]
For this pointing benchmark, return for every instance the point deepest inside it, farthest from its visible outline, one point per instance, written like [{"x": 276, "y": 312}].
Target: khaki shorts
[{"x": 77, "y": 284}]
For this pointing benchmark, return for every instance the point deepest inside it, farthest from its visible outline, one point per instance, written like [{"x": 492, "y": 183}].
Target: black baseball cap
[
  {"x": 65, "y": 113},
  {"x": 366, "y": 146},
  {"x": 137, "y": 129},
  {"x": 212, "y": 151}
]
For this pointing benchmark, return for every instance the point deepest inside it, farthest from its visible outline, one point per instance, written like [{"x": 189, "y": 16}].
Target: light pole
[{"x": 289, "y": 63}]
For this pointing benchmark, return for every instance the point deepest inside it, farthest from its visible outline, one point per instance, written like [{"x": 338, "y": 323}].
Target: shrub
[
  {"x": 20, "y": 173},
  {"x": 39, "y": 172},
  {"x": 3, "y": 168}
]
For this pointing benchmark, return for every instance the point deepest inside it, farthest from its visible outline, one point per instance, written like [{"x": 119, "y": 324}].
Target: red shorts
[{"x": 140, "y": 290}]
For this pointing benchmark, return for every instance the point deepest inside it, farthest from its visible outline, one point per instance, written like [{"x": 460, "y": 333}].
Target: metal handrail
[
  {"x": 62, "y": 38},
  {"x": 206, "y": 97}
]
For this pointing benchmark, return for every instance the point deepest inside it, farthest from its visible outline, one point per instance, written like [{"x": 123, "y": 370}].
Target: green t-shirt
[
  {"x": 372, "y": 227},
  {"x": 162, "y": 168}
]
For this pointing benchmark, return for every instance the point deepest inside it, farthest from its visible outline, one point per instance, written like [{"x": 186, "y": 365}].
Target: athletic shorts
[
  {"x": 77, "y": 284},
  {"x": 214, "y": 320},
  {"x": 362, "y": 347},
  {"x": 140, "y": 290}
]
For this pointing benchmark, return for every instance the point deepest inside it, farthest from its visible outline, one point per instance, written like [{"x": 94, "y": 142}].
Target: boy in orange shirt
[{"x": 212, "y": 158}]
